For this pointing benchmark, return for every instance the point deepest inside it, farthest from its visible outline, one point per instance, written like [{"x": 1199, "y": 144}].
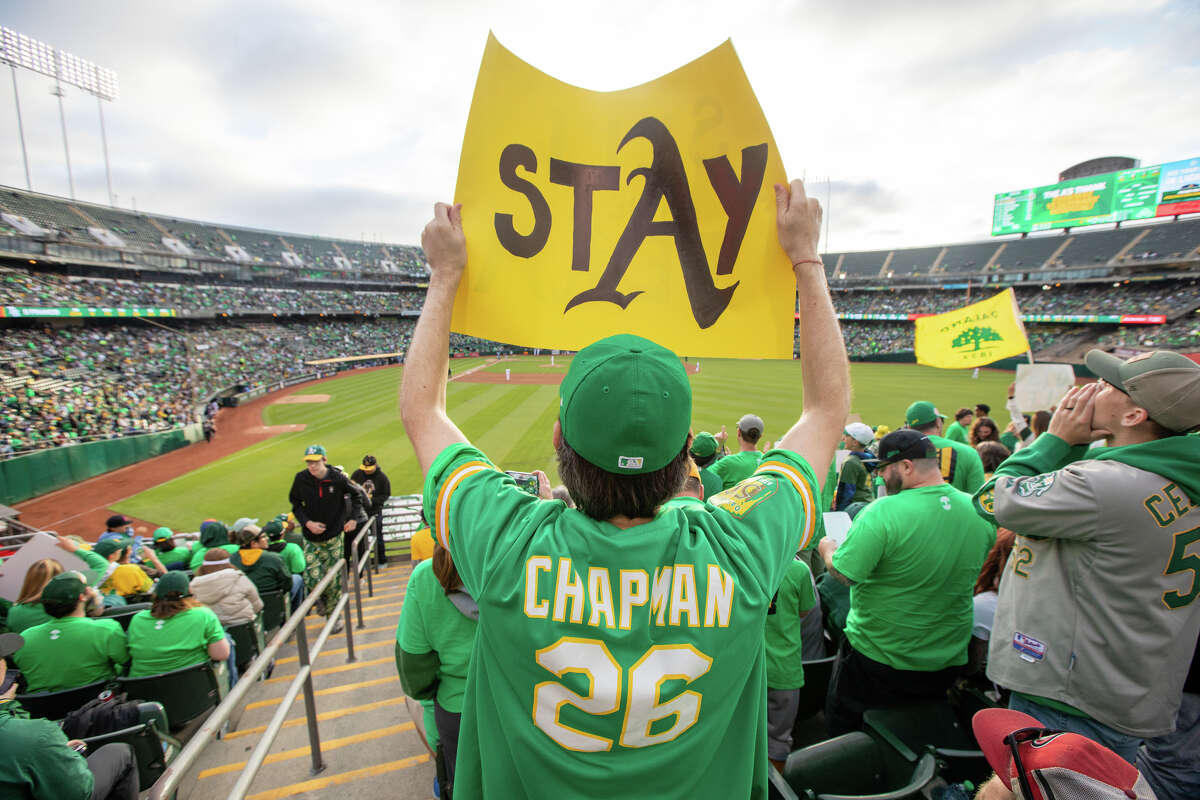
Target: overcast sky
[{"x": 346, "y": 118}]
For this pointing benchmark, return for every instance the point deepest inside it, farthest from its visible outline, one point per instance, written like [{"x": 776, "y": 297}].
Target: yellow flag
[
  {"x": 972, "y": 336},
  {"x": 648, "y": 210}
]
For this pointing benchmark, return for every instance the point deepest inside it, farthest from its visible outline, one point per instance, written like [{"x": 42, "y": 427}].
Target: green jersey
[
  {"x": 956, "y": 432},
  {"x": 736, "y": 467},
  {"x": 162, "y": 645},
  {"x": 617, "y": 661},
  {"x": 914, "y": 558},
  {"x": 796, "y": 595},
  {"x": 961, "y": 466},
  {"x": 37, "y": 762},
  {"x": 198, "y": 554},
  {"x": 26, "y": 615},
  {"x": 72, "y": 651},
  {"x": 176, "y": 555},
  {"x": 292, "y": 555},
  {"x": 430, "y": 623}
]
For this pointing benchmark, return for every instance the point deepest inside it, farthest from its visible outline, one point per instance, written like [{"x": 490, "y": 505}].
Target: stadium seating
[
  {"x": 185, "y": 693},
  {"x": 276, "y": 609},
  {"x": 56, "y": 705},
  {"x": 962, "y": 258},
  {"x": 1095, "y": 247},
  {"x": 1027, "y": 254},
  {"x": 913, "y": 261},
  {"x": 858, "y": 265},
  {"x": 911, "y": 730},
  {"x": 248, "y": 641},
  {"x": 152, "y": 747},
  {"x": 856, "y": 765},
  {"x": 123, "y": 614},
  {"x": 1175, "y": 240}
]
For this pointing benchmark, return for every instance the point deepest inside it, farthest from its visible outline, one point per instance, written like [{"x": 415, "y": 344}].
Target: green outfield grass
[{"x": 512, "y": 425}]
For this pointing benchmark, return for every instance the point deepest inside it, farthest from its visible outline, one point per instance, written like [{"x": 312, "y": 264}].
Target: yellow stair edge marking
[
  {"x": 357, "y": 647},
  {"x": 324, "y": 715},
  {"x": 332, "y": 670},
  {"x": 316, "y": 626},
  {"x": 345, "y": 687},
  {"x": 300, "y": 752},
  {"x": 342, "y": 777}
]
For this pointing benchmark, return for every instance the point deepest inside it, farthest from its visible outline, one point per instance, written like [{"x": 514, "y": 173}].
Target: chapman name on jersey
[{"x": 680, "y": 595}]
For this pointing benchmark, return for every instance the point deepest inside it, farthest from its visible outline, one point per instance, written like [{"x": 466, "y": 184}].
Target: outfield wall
[{"x": 46, "y": 470}]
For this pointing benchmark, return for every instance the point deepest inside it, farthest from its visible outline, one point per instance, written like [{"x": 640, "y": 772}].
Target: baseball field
[{"x": 511, "y": 422}]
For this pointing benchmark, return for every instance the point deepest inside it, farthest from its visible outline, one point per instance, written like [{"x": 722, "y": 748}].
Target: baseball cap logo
[{"x": 629, "y": 462}]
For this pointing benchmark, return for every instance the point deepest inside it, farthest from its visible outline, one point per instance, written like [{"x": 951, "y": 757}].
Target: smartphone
[{"x": 526, "y": 481}]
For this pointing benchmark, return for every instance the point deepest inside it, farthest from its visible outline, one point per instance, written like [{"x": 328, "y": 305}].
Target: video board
[{"x": 1139, "y": 193}]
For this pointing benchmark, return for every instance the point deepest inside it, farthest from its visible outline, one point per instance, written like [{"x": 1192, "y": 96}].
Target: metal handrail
[{"x": 169, "y": 781}]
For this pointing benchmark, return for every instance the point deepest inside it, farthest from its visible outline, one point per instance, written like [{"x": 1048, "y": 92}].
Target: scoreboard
[{"x": 1140, "y": 193}]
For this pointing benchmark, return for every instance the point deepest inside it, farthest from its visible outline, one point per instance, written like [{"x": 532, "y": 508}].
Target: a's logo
[
  {"x": 158, "y": 626},
  {"x": 54, "y": 634},
  {"x": 629, "y": 462},
  {"x": 739, "y": 499},
  {"x": 976, "y": 336},
  {"x": 1035, "y": 486},
  {"x": 946, "y": 503}
]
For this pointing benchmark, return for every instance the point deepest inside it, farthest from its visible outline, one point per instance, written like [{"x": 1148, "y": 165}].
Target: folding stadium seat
[
  {"x": 812, "y": 699},
  {"x": 248, "y": 641},
  {"x": 153, "y": 747},
  {"x": 277, "y": 607},
  {"x": 938, "y": 726},
  {"x": 56, "y": 705},
  {"x": 123, "y": 614},
  {"x": 854, "y": 766},
  {"x": 184, "y": 693}
]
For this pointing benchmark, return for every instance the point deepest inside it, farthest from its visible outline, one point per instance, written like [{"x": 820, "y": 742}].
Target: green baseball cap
[
  {"x": 109, "y": 546},
  {"x": 162, "y": 533},
  {"x": 314, "y": 452},
  {"x": 922, "y": 413},
  {"x": 273, "y": 528},
  {"x": 64, "y": 588},
  {"x": 1164, "y": 383},
  {"x": 704, "y": 444},
  {"x": 174, "y": 581},
  {"x": 625, "y": 405}
]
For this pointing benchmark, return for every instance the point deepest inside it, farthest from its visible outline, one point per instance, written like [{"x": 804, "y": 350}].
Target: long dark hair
[
  {"x": 603, "y": 495},
  {"x": 444, "y": 569},
  {"x": 993, "y": 563}
]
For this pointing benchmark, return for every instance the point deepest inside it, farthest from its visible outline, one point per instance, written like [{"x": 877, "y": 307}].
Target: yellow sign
[
  {"x": 649, "y": 210},
  {"x": 972, "y": 336}
]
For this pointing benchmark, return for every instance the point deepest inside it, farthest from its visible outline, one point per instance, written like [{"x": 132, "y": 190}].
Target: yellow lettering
[
  {"x": 660, "y": 595},
  {"x": 1182, "y": 505},
  {"x": 718, "y": 605},
  {"x": 631, "y": 597},
  {"x": 534, "y": 608},
  {"x": 683, "y": 596},
  {"x": 600, "y": 596},
  {"x": 568, "y": 587}
]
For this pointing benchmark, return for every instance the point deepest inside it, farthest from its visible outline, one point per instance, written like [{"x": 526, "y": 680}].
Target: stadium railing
[{"x": 212, "y": 727}]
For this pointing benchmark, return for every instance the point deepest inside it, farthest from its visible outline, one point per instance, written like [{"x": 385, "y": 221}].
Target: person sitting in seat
[
  {"x": 171, "y": 556},
  {"x": 212, "y": 534},
  {"x": 176, "y": 632},
  {"x": 225, "y": 589},
  {"x": 292, "y": 555},
  {"x": 264, "y": 568},
  {"x": 71, "y": 650},
  {"x": 125, "y": 579}
]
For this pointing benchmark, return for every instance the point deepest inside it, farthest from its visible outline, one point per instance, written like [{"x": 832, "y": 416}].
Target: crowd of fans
[
  {"x": 1182, "y": 334},
  {"x": 22, "y": 288}
]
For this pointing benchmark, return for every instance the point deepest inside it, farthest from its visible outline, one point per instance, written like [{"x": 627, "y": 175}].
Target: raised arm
[
  {"x": 826, "y": 371},
  {"x": 423, "y": 389}
]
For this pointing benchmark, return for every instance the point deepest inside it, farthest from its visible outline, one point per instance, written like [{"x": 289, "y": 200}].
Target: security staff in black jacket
[{"x": 379, "y": 489}]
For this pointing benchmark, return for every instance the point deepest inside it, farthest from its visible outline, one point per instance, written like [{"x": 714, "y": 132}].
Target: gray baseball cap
[
  {"x": 751, "y": 422},
  {"x": 1164, "y": 383}
]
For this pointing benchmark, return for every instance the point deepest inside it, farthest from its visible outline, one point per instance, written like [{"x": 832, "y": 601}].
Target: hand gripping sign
[{"x": 648, "y": 210}]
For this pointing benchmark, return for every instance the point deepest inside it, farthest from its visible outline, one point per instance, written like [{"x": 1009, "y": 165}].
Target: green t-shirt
[
  {"x": 162, "y": 645},
  {"x": 963, "y": 469},
  {"x": 72, "y": 651},
  {"x": 955, "y": 432},
  {"x": 26, "y": 615},
  {"x": 625, "y": 658},
  {"x": 914, "y": 558},
  {"x": 176, "y": 555},
  {"x": 429, "y": 622},
  {"x": 785, "y": 667},
  {"x": 37, "y": 761},
  {"x": 710, "y": 481},
  {"x": 736, "y": 467},
  {"x": 292, "y": 555},
  {"x": 198, "y": 554}
]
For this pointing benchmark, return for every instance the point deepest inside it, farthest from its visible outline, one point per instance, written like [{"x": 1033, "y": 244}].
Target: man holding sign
[{"x": 619, "y": 648}]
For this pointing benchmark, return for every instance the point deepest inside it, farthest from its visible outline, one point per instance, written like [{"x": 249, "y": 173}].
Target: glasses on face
[{"x": 1014, "y": 741}]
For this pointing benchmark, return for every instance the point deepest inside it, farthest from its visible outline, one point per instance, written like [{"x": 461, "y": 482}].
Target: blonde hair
[{"x": 36, "y": 578}]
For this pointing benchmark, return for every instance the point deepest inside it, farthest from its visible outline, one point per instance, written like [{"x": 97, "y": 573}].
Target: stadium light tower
[{"x": 19, "y": 50}]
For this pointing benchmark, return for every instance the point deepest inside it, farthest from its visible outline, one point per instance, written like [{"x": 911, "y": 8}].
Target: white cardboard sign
[
  {"x": 1040, "y": 386},
  {"x": 39, "y": 546}
]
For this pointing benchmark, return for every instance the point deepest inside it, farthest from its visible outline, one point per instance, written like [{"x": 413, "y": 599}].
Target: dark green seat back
[
  {"x": 184, "y": 693},
  {"x": 56, "y": 705}
]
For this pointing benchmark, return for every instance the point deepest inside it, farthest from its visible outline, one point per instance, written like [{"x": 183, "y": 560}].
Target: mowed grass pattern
[{"x": 512, "y": 424}]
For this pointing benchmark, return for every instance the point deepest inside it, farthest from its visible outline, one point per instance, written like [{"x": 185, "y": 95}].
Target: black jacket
[
  {"x": 332, "y": 500},
  {"x": 382, "y": 491}
]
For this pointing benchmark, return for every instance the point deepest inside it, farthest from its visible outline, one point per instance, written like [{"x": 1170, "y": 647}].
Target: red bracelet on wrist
[{"x": 808, "y": 261}]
